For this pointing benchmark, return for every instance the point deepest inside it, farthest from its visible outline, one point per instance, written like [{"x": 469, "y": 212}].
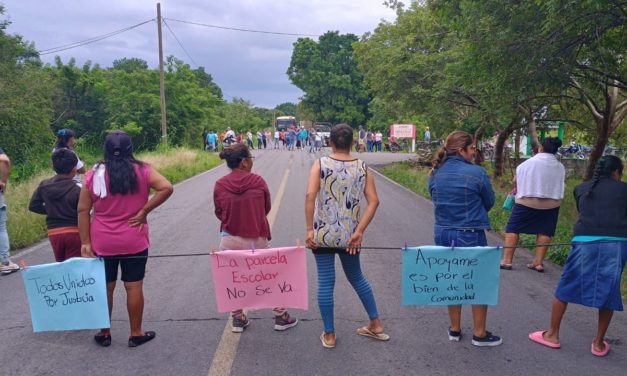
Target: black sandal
[
  {"x": 102, "y": 339},
  {"x": 134, "y": 341}
]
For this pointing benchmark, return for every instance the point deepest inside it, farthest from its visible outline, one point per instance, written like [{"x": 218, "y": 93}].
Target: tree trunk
[
  {"x": 517, "y": 146},
  {"x": 533, "y": 133},
  {"x": 602, "y": 136},
  {"x": 479, "y": 156},
  {"x": 606, "y": 123},
  {"x": 498, "y": 149}
]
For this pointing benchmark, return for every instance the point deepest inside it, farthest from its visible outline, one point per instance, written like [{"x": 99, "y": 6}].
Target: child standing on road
[
  {"x": 336, "y": 185},
  {"x": 57, "y": 199}
]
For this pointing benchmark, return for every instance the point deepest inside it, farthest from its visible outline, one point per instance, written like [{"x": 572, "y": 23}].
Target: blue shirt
[
  {"x": 211, "y": 138},
  {"x": 462, "y": 195}
]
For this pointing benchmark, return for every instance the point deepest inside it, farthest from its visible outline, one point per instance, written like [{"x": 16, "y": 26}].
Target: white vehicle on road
[{"x": 324, "y": 130}]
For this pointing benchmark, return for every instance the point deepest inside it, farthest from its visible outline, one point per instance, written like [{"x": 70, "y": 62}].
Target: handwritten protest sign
[
  {"x": 69, "y": 295},
  {"x": 443, "y": 276},
  {"x": 265, "y": 278}
]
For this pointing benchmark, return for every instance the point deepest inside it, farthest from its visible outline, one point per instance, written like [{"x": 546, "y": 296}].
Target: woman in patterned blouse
[{"x": 332, "y": 209}]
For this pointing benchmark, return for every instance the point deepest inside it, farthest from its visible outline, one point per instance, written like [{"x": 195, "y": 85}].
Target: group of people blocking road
[
  {"x": 462, "y": 196},
  {"x": 116, "y": 192},
  {"x": 290, "y": 138}
]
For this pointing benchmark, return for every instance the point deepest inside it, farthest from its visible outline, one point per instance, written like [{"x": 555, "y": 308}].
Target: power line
[
  {"x": 245, "y": 30},
  {"x": 53, "y": 50},
  {"x": 179, "y": 42}
]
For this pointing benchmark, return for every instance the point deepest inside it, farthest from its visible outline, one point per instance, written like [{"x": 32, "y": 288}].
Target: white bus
[{"x": 283, "y": 123}]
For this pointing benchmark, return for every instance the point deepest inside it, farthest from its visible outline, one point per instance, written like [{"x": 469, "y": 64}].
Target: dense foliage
[
  {"x": 37, "y": 100},
  {"x": 497, "y": 66},
  {"x": 327, "y": 72}
]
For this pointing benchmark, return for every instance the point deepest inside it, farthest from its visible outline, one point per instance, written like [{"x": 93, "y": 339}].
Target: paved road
[{"x": 191, "y": 334}]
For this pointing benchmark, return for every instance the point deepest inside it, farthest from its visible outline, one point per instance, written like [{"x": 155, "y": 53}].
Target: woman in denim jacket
[{"x": 462, "y": 195}]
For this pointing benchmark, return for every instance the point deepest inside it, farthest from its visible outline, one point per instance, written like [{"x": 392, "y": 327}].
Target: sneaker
[
  {"x": 488, "y": 340},
  {"x": 453, "y": 335},
  {"x": 9, "y": 267},
  {"x": 239, "y": 323},
  {"x": 284, "y": 322}
]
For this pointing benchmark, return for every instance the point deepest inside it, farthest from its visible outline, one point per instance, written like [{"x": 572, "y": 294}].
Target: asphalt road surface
[{"x": 194, "y": 339}]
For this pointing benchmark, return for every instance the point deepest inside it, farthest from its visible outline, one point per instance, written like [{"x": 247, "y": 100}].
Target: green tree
[
  {"x": 327, "y": 72},
  {"x": 25, "y": 93},
  {"x": 287, "y": 109},
  {"x": 130, "y": 64}
]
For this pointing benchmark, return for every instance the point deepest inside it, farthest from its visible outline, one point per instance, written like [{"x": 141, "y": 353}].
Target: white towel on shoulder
[{"x": 99, "y": 183}]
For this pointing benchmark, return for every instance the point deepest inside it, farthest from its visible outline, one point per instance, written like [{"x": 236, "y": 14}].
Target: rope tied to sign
[{"x": 375, "y": 248}]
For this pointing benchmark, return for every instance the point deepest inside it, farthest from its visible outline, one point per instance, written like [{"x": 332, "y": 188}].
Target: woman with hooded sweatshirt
[
  {"x": 117, "y": 189},
  {"x": 242, "y": 202}
]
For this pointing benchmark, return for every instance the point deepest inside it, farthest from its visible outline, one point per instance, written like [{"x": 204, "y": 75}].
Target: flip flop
[
  {"x": 537, "y": 268},
  {"x": 364, "y": 331},
  {"x": 538, "y": 337},
  {"x": 135, "y": 341},
  {"x": 600, "y": 353},
  {"x": 326, "y": 344},
  {"x": 506, "y": 266}
]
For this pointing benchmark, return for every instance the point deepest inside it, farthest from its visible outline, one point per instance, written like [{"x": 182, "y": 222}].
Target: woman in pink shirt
[{"x": 117, "y": 190}]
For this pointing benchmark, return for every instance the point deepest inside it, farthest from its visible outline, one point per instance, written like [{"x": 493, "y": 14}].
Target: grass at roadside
[
  {"x": 25, "y": 228},
  {"x": 416, "y": 179}
]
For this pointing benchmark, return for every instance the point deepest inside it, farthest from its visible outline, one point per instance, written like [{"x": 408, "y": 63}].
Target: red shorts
[{"x": 66, "y": 243}]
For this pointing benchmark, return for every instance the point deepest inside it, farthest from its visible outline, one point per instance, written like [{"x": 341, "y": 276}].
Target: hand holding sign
[
  {"x": 69, "y": 295},
  {"x": 265, "y": 278}
]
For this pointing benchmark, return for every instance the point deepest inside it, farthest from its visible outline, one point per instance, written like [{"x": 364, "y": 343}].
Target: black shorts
[
  {"x": 133, "y": 266},
  {"x": 327, "y": 250}
]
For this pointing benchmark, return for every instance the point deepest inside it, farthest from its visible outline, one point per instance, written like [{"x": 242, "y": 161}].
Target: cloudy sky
[{"x": 246, "y": 65}]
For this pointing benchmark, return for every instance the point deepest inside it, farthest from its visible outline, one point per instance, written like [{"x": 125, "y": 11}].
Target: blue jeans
[
  {"x": 326, "y": 282},
  {"x": 4, "y": 236},
  {"x": 462, "y": 238}
]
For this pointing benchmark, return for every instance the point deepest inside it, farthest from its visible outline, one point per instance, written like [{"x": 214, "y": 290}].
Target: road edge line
[{"x": 224, "y": 356}]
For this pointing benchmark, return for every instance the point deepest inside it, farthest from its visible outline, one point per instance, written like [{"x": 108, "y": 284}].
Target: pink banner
[
  {"x": 265, "y": 278},
  {"x": 403, "y": 130}
]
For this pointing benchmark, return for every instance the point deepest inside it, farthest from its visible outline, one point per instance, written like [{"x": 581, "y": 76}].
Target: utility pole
[{"x": 164, "y": 128}]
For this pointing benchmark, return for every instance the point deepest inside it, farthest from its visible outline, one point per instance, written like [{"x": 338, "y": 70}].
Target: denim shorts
[{"x": 462, "y": 238}]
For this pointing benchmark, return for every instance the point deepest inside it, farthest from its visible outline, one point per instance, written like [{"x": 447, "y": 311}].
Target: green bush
[
  {"x": 25, "y": 228},
  {"x": 416, "y": 179}
]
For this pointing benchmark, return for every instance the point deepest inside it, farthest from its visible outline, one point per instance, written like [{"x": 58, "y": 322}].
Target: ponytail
[{"x": 455, "y": 142}]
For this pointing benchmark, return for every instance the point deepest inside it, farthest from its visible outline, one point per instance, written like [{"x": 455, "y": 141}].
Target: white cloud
[{"x": 248, "y": 65}]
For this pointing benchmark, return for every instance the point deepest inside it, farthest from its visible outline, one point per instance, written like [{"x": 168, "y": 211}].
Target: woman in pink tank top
[{"x": 117, "y": 189}]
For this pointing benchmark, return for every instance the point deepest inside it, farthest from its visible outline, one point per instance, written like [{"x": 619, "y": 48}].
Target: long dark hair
[
  {"x": 120, "y": 162},
  {"x": 63, "y": 136},
  {"x": 455, "y": 142},
  {"x": 604, "y": 168}
]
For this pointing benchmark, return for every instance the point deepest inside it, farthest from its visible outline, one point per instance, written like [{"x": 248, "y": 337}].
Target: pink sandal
[
  {"x": 538, "y": 337},
  {"x": 604, "y": 352}
]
